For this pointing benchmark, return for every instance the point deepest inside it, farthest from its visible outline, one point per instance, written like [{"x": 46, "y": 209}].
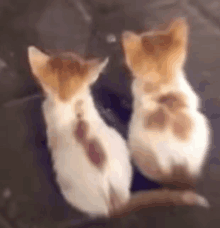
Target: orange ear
[
  {"x": 128, "y": 35},
  {"x": 179, "y": 29},
  {"x": 37, "y": 60},
  {"x": 96, "y": 66},
  {"x": 130, "y": 40},
  {"x": 148, "y": 46}
]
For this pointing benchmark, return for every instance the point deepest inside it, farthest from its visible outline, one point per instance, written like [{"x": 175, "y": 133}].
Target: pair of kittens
[{"x": 168, "y": 136}]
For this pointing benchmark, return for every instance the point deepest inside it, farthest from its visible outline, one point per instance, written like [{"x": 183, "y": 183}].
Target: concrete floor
[{"x": 28, "y": 194}]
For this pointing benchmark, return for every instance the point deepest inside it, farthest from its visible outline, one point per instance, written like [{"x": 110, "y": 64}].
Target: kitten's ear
[
  {"x": 37, "y": 60},
  {"x": 96, "y": 67},
  {"x": 130, "y": 40},
  {"x": 179, "y": 29},
  {"x": 129, "y": 35}
]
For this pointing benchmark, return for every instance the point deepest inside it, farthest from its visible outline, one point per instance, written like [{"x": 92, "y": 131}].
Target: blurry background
[{"x": 28, "y": 194}]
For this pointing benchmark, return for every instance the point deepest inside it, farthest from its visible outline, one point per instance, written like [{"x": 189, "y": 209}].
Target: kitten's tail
[
  {"x": 178, "y": 190},
  {"x": 157, "y": 198}
]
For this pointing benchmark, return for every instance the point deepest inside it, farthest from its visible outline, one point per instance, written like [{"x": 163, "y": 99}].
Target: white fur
[
  {"x": 165, "y": 146},
  {"x": 90, "y": 187}
]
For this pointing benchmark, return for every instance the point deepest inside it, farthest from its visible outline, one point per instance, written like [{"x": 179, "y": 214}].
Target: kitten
[
  {"x": 90, "y": 158},
  {"x": 166, "y": 125}
]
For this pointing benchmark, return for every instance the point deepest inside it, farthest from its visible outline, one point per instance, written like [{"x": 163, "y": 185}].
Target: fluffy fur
[
  {"x": 166, "y": 125},
  {"x": 91, "y": 159}
]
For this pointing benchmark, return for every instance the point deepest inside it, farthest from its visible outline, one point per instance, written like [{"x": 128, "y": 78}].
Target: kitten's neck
[
  {"x": 179, "y": 85},
  {"x": 147, "y": 99},
  {"x": 62, "y": 114}
]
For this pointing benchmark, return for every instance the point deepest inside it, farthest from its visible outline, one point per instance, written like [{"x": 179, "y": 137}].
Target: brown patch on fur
[
  {"x": 182, "y": 126},
  {"x": 81, "y": 131},
  {"x": 157, "y": 120},
  {"x": 154, "y": 57},
  {"x": 173, "y": 101},
  {"x": 181, "y": 123},
  {"x": 94, "y": 150}
]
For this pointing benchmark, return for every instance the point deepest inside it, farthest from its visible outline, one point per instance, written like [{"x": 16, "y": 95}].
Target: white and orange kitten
[
  {"x": 90, "y": 158},
  {"x": 166, "y": 126}
]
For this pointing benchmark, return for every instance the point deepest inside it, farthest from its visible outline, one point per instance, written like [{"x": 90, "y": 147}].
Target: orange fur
[
  {"x": 180, "y": 123},
  {"x": 157, "y": 120},
  {"x": 155, "y": 57},
  {"x": 63, "y": 74},
  {"x": 69, "y": 73},
  {"x": 173, "y": 101}
]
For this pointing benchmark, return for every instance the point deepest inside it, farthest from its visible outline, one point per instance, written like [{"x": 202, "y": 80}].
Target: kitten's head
[
  {"x": 155, "y": 56},
  {"x": 65, "y": 75}
]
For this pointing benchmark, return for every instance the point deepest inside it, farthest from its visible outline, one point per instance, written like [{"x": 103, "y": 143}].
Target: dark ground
[{"x": 28, "y": 195}]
